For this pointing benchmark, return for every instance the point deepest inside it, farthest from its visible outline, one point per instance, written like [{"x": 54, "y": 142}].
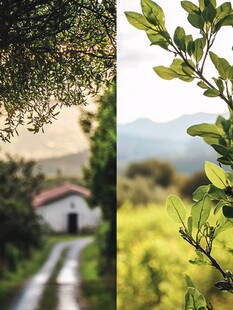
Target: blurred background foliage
[
  {"x": 152, "y": 180},
  {"x": 152, "y": 258}
]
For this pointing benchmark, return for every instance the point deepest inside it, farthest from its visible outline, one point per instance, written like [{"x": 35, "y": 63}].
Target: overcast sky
[{"x": 141, "y": 93}]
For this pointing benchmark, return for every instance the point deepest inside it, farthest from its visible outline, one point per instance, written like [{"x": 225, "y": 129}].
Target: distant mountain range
[
  {"x": 143, "y": 139},
  {"x": 68, "y": 165}
]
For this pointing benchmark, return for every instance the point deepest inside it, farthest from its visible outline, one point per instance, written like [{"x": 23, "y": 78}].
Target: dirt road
[{"x": 68, "y": 279}]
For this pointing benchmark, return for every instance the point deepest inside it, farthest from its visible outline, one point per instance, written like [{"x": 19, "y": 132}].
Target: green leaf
[
  {"x": 212, "y": 92},
  {"x": 190, "y": 224},
  {"x": 221, "y": 150},
  {"x": 221, "y": 64},
  {"x": 204, "y": 130},
  {"x": 176, "y": 209},
  {"x": 223, "y": 10},
  {"x": 190, "y": 7},
  {"x": 188, "y": 68},
  {"x": 228, "y": 21},
  {"x": 216, "y": 193},
  {"x": 209, "y": 13},
  {"x": 188, "y": 40},
  {"x": 201, "y": 5},
  {"x": 179, "y": 38},
  {"x": 200, "y": 192},
  {"x": 227, "y": 211},
  {"x": 153, "y": 13},
  {"x": 219, "y": 84},
  {"x": 199, "y": 45},
  {"x": 223, "y": 123},
  {"x": 199, "y": 259},
  {"x": 230, "y": 73},
  {"x": 224, "y": 160},
  {"x": 196, "y": 21},
  {"x": 216, "y": 175},
  {"x": 157, "y": 39},
  {"x": 202, "y": 85},
  {"x": 200, "y": 211},
  {"x": 138, "y": 20},
  {"x": 178, "y": 65},
  {"x": 165, "y": 73},
  {"x": 194, "y": 300},
  {"x": 188, "y": 280},
  {"x": 218, "y": 206},
  {"x": 223, "y": 224}
]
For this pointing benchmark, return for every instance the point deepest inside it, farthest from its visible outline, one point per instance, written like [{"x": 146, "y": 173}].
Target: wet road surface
[{"x": 68, "y": 279}]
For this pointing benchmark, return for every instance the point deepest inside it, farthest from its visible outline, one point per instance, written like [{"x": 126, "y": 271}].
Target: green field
[{"x": 152, "y": 260}]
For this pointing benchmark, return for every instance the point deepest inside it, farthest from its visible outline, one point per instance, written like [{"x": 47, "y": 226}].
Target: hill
[
  {"x": 68, "y": 165},
  {"x": 143, "y": 139}
]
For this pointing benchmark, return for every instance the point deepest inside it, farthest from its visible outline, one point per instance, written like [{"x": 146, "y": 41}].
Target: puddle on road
[{"x": 65, "y": 290}]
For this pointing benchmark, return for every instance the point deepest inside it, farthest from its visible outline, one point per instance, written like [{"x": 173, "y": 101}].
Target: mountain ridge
[{"x": 145, "y": 139}]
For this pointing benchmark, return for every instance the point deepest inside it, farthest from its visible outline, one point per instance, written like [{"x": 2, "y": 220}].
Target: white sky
[{"x": 141, "y": 93}]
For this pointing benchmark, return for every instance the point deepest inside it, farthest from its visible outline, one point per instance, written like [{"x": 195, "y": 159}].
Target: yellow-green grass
[
  {"x": 98, "y": 290},
  {"x": 152, "y": 259}
]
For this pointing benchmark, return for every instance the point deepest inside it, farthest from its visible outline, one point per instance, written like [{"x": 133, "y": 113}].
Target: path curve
[{"x": 68, "y": 278}]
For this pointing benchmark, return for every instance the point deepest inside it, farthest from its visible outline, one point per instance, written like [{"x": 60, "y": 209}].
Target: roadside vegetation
[
  {"x": 152, "y": 262},
  {"x": 153, "y": 180},
  {"x": 12, "y": 281},
  {"x": 98, "y": 288}
]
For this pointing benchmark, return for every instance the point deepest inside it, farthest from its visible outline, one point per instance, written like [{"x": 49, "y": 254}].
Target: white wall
[{"x": 56, "y": 213}]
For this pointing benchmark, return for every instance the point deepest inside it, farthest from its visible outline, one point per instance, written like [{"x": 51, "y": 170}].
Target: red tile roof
[{"x": 59, "y": 192}]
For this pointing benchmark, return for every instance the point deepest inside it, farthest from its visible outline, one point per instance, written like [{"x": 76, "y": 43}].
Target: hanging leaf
[
  {"x": 188, "y": 280},
  {"x": 204, "y": 130},
  {"x": 219, "y": 205},
  {"x": 178, "y": 65},
  {"x": 190, "y": 224},
  {"x": 138, "y": 20},
  {"x": 196, "y": 21},
  {"x": 165, "y": 73},
  {"x": 219, "y": 84},
  {"x": 157, "y": 39},
  {"x": 179, "y": 38},
  {"x": 209, "y": 13},
  {"x": 200, "y": 192},
  {"x": 194, "y": 300},
  {"x": 221, "y": 150},
  {"x": 190, "y": 7},
  {"x": 223, "y": 224},
  {"x": 200, "y": 211},
  {"x": 199, "y": 45},
  {"x": 221, "y": 64},
  {"x": 202, "y": 85},
  {"x": 212, "y": 92},
  {"x": 216, "y": 175},
  {"x": 153, "y": 13},
  {"x": 176, "y": 209}
]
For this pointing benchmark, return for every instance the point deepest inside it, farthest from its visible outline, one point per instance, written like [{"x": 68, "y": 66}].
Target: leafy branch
[{"x": 189, "y": 63}]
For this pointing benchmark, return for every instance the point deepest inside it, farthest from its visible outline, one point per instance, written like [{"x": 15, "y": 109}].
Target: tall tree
[
  {"x": 52, "y": 53},
  {"x": 100, "y": 176},
  {"x": 19, "y": 224}
]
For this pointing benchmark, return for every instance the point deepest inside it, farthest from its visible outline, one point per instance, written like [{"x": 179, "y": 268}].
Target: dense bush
[
  {"x": 159, "y": 172},
  {"x": 20, "y": 227},
  {"x": 192, "y": 183}
]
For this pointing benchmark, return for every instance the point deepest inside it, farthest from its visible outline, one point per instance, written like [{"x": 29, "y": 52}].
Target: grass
[
  {"x": 11, "y": 282},
  {"x": 99, "y": 291}
]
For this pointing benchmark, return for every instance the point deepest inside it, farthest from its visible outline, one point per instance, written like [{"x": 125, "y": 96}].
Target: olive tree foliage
[
  {"x": 52, "y": 53},
  {"x": 189, "y": 64}
]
